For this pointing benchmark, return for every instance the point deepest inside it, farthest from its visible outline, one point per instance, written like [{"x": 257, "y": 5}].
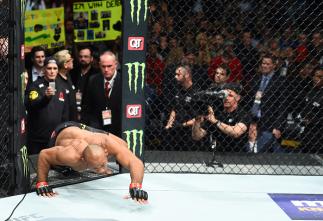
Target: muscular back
[{"x": 109, "y": 142}]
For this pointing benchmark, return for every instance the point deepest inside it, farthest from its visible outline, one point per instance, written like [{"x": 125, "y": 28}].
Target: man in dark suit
[
  {"x": 81, "y": 74},
  {"x": 267, "y": 101},
  {"x": 102, "y": 104}
]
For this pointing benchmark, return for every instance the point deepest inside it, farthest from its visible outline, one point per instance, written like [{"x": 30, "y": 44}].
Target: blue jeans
[{"x": 266, "y": 141}]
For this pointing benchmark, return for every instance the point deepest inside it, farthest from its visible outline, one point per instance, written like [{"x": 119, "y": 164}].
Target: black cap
[
  {"x": 233, "y": 86},
  {"x": 50, "y": 60}
]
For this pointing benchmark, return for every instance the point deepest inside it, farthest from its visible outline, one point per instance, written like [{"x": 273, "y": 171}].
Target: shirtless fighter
[{"x": 81, "y": 147}]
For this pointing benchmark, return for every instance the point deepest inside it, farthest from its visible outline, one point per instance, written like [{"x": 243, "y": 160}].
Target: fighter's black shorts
[{"x": 64, "y": 125}]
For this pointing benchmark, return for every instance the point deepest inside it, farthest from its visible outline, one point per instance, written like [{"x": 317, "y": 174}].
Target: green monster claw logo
[
  {"x": 132, "y": 136},
  {"x": 137, "y": 13},
  {"x": 24, "y": 158},
  {"x": 134, "y": 77}
]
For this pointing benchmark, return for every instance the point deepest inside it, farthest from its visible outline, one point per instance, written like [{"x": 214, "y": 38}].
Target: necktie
[
  {"x": 255, "y": 110},
  {"x": 107, "y": 87},
  {"x": 264, "y": 83}
]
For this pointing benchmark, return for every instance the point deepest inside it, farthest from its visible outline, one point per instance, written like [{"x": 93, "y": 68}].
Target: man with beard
[{"x": 82, "y": 72}]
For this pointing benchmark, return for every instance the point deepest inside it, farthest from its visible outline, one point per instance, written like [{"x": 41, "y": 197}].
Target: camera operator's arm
[
  {"x": 171, "y": 119},
  {"x": 197, "y": 131},
  {"x": 189, "y": 123},
  {"x": 234, "y": 131}
]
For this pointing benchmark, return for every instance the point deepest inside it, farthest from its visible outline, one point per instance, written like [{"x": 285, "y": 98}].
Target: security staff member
[
  {"x": 46, "y": 107},
  {"x": 101, "y": 107}
]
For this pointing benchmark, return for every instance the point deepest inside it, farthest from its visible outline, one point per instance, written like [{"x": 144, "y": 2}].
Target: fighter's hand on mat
[
  {"x": 137, "y": 194},
  {"x": 43, "y": 189},
  {"x": 104, "y": 171}
]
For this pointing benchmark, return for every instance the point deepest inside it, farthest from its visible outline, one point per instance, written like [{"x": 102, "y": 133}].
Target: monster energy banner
[{"x": 133, "y": 72}]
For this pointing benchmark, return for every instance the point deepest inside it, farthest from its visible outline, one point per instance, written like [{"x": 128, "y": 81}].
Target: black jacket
[
  {"x": 44, "y": 113},
  {"x": 274, "y": 102},
  {"x": 95, "y": 102},
  {"x": 71, "y": 97}
]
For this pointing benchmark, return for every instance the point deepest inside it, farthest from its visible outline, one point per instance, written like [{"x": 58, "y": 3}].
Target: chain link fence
[
  {"x": 209, "y": 70},
  {"x": 4, "y": 99},
  {"x": 252, "y": 69}
]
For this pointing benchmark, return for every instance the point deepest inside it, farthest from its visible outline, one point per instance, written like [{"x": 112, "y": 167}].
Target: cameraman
[{"x": 227, "y": 124}]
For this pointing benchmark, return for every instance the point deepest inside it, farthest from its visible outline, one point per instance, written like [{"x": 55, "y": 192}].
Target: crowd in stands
[
  {"x": 201, "y": 45},
  {"x": 206, "y": 35}
]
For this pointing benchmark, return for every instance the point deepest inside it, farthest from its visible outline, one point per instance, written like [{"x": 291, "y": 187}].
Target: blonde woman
[{"x": 65, "y": 65}]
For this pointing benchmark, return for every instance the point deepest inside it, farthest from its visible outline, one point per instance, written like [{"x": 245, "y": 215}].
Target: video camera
[{"x": 202, "y": 99}]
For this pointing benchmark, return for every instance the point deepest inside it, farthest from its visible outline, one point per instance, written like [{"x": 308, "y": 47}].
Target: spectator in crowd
[
  {"x": 155, "y": 68},
  {"x": 202, "y": 44},
  {"x": 81, "y": 74},
  {"x": 188, "y": 40},
  {"x": 181, "y": 115},
  {"x": 65, "y": 65},
  {"x": 221, "y": 76},
  {"x": 227, "y": 125},
  {"x": 46, "y": 107},
  {"x": 316, "y": 48},
  {"x": 287, "y": 38},
  {"x": 267, "y": 100},
  {"x": 69, "y": 34},
  {"x": 287, "y": 65},
  {"x": 176, "y": 51},
  {"x": 163, "y": 47},
  {"x": 248, "y": 55},
  {"x": 38, "y": 56},
  {"x": 101, "y": 106},
  {"x": 199, "y": 69},
  {"x": 217, "y": 45},
  {"x": 301, "y": 49},
  {"x": 157, "y": 29},
  {"x": 170, "y": 26},
  {"x": 312, "y": 115},
  {"x": 231, "y": 60},
  {"x": 273, "y": 47},
  {"x": 169, "y": 87}
]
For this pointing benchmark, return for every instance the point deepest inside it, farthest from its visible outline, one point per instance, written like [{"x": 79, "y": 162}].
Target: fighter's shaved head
[{"x": 93, "y": 152}]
